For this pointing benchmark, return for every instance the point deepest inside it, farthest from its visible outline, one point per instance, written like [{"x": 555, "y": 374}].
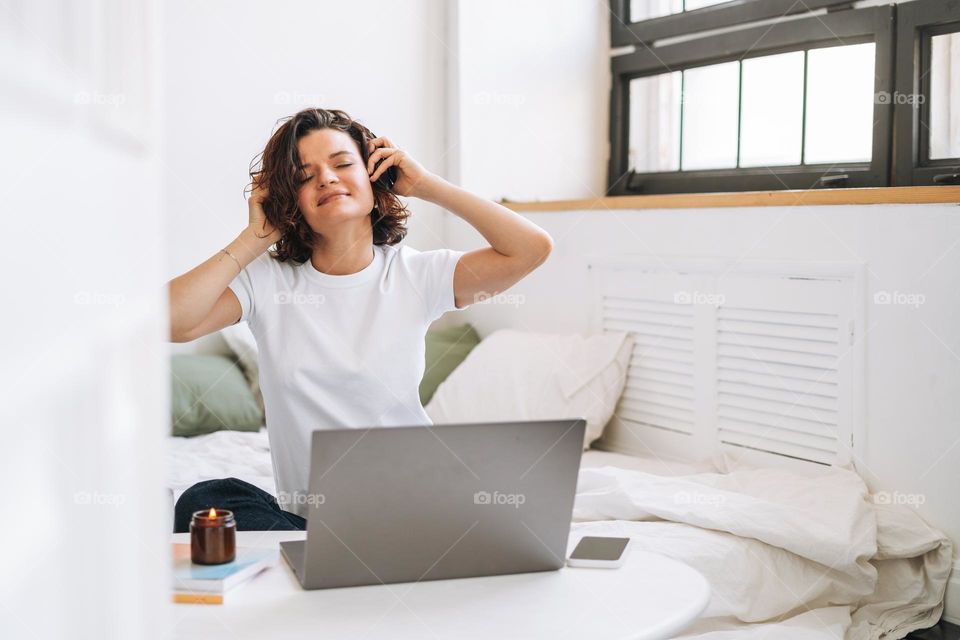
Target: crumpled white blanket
[
  {"x": 222, "y": 454},
  {"x": 787, "y": 555}
]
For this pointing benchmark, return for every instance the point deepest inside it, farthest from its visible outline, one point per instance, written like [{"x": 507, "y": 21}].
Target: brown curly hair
[{"x": 278, "y": 167}]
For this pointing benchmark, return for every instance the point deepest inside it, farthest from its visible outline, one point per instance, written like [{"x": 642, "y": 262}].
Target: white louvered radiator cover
[{"x": 757, "y": 359}]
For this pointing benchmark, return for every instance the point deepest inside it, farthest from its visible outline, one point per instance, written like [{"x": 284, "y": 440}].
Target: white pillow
[
  {"x": 520, "y": 375},
  {"x": 241, "y": 341}
]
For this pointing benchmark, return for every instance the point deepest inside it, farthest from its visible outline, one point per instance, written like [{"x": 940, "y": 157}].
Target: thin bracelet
[{"x": 234, "y": 259}]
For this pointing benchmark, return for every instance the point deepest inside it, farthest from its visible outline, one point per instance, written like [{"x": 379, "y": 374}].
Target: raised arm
[
  {"x": 517, "y": 246},
  {"x": 200, "y": 300}
]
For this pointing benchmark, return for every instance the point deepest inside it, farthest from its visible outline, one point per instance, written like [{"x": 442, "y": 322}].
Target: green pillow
[
  {"x": 210, "y": 393},
  {"x": 446, "y": 349}
]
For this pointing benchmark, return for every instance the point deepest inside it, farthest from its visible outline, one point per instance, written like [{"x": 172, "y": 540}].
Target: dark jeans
[{"x": 253, "y": 508}]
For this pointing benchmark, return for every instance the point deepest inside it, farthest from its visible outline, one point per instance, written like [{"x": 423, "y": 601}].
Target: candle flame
[{"x": 213, "y": 512}]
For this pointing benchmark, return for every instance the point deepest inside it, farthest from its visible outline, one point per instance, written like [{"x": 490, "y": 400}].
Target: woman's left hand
[{"x": 412, "y": 178}]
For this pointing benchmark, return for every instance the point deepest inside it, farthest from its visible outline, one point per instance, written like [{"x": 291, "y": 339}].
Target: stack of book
[{"x": 208, "y": 584}]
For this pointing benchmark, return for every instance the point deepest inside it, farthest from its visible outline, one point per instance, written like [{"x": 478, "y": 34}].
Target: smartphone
[
  {"x": 389, "y": 177},
  {"x": 600, "y": 552}
]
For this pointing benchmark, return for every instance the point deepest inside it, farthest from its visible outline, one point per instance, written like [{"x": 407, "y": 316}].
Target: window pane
[
  {"x": 772, "y": 113},
  {"x": 840, "y": 102},
  {"x": 699, "y": 4},
  {"x": 655, "y": 123},
  {"x": 945, "y": 96},
  {"x": 646, "y": 9},
  {"x": 710, "y": 103}
]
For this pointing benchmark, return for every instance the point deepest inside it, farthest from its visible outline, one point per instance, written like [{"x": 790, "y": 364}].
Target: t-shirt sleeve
[
  {"x": 244, "y": 286},
  {"x": 435, "y": 271}
]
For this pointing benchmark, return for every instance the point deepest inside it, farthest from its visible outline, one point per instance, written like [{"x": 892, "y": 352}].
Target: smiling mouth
[{"x": 332, "y": 198}]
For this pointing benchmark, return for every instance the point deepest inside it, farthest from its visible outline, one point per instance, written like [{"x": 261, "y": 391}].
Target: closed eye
[{"x": 339, "y": 166}]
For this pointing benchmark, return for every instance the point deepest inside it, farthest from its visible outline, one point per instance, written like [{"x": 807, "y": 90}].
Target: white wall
[
  {"x": 84, "y": 406},
  {"x": 531, "y": 89},
  {"x": 233, "y": 69}
]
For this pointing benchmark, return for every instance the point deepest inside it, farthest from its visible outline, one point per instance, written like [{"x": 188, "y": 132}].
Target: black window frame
[
  {"x": 624, "y": 32},
  {"x": 917, "y": 22},
  {"x": 850, "y": 26}
]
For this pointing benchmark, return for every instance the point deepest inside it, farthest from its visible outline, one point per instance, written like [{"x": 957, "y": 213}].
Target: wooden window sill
[{"x": 784, "y": 198}]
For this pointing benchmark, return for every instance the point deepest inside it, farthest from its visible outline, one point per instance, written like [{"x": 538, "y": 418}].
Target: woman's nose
[{"x": 326, "y": 176}]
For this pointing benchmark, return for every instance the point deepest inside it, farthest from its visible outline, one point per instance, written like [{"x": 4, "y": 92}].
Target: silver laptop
[{"x": 404, "y": 504}]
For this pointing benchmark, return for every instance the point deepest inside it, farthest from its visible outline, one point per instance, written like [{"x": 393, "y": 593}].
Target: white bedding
[
  {"x": 222, "y": 454},
  {"x": 780, "y": 549},
  {"x": 246, "y": 455},
  {"x": 788, "y": 556}
]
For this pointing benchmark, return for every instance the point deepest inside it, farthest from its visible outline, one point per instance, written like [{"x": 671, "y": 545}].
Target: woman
[{"x": 339, "y": 311}]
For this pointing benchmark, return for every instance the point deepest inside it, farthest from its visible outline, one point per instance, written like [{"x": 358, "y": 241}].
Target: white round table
[{"x": 650, "y": 597}]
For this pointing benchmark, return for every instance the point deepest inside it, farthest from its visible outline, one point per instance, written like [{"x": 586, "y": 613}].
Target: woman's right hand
[{"x": 258, "y": 219}]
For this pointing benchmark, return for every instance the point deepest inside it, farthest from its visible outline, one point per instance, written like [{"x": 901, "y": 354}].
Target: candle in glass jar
[{"x": 213, "y": 537}]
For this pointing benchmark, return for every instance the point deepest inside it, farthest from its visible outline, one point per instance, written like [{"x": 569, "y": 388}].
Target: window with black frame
[
  {"x": 766, "y": 95},
  {"x": 927, "y": 96}
]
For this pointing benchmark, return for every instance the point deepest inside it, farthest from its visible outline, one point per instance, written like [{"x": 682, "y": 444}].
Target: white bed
[
  {"x": 791, "y": 554},
  {"x": 246, "y": 455}
]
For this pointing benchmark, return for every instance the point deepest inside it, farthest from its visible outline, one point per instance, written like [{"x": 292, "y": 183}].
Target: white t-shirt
[{"x": 340, "y": 351}]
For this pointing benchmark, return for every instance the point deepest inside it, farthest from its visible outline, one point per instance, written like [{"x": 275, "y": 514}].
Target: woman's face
[{"x": 334, "y": 185}]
